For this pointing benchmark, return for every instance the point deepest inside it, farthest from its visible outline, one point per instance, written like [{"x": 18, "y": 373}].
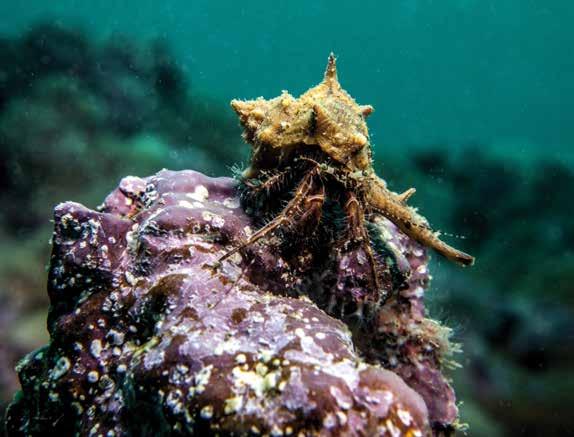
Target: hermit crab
[{"x": 317, "y": 147}]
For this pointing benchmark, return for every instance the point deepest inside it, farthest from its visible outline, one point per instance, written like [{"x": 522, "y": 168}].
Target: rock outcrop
[{"x": 149, "y": 335}]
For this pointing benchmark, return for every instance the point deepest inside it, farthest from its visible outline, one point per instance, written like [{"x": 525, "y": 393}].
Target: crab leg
[
  {"x": 284, "y": 217},
  {"x": 358, "y": 232},
  {"x": 406, "y": 218},
  {"x": 313, "y": 206},
  {"x": 273, "y": 183}
]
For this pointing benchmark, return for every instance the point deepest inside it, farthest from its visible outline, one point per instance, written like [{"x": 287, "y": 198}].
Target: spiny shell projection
[{"x": 326, "y": 116}]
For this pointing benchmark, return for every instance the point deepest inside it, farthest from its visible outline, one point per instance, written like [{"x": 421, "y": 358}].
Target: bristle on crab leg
[{"x": 303, "y": 189}]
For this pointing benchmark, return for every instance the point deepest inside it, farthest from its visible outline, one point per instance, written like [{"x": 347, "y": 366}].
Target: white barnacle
[
  {"x": 207, "y": 215},
  {"x": 394, "y": 431},
  {"x": 265, "y": 355},
  {"x": 231, "y": 203},
  {"x": 217, "y": 221},
  {"x": 202, "y": 378},
  {"x": 94, "y": 229},
  {"x": 61, "y": 367},
  {"x": 229, "y": 346},
  {"x": 173, "y": 401},
  {"x": 233, "y": 405},
  {"x": 206, "y": 412},
  {"x": 261, "y": 369},
  {"x": 115, "y": 337},
  {"x": 185, "y": 204},
  {"x": 77, "y": 407},
  {"x": 422, "y": 269},
  {"x": 299, "y": 332},
  {"x": 271, "y": 380},
  {"x": 200, "y": 193},
  {"x": 154, "y": 358},
  {"x": 276, "y": 431},
  {"x": 257, "y": 317},
  {"x": 405, "y": 416},
  {"x": 130, "y": 278},
  {"x": 342, "y": 418},
  {"x": 329, "y": 421},
  {"x": 94, "y": 429},
  {"x": 132, "y": 238},
  {"x": 96, "y": 348}
]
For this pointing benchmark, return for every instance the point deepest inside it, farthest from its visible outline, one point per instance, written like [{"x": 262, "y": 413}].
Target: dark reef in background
[
  {"x": 70, "y": 110},
  {"x": 75, "y": 116},
  {"x": 516, "y": 308}
]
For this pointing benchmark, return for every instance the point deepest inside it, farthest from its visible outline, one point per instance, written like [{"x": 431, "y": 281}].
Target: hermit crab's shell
[{"x": 325, "y": 116}]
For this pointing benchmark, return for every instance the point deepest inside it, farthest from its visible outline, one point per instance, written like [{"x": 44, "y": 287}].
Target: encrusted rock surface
[{"x": 150, "y": 336}]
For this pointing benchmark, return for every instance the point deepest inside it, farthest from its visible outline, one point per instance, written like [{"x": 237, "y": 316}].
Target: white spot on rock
[
  {"x": 405, "y": 416},
  {"x": 207, "y": 412},
  {"x": 202, "y": 378},
  {"x": 231, "y": 202},
  {"x": 96, "y": 348},
  {"x": 62, "y": 366},
  {"x": 200, "y": 194},
  {"x": 233, "y": 405}
]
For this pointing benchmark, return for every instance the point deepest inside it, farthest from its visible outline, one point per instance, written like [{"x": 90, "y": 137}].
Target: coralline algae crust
[{"x": 148, "y": 338}]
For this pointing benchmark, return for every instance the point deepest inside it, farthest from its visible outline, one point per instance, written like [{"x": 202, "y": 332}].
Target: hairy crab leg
[
  {"x": 272, "y": 183},
  {"x": 392, "y": 206},
  {"x": 313, "y": 205},
  {"x": 358, "y": 232},
  {"x": 302, "y": 191}
]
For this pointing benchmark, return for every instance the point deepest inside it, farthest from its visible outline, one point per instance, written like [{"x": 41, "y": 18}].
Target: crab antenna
[{"x": 331, "y": 71}]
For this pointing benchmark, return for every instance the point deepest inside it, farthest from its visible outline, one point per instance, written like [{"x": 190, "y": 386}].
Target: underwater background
[{"x": 474, "y": 104}]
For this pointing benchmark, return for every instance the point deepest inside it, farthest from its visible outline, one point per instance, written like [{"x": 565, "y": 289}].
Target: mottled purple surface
[{"x": 149, "y": 335}]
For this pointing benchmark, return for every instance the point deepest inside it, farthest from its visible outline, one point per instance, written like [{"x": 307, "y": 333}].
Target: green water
[{"x": 456, "y": 71}]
